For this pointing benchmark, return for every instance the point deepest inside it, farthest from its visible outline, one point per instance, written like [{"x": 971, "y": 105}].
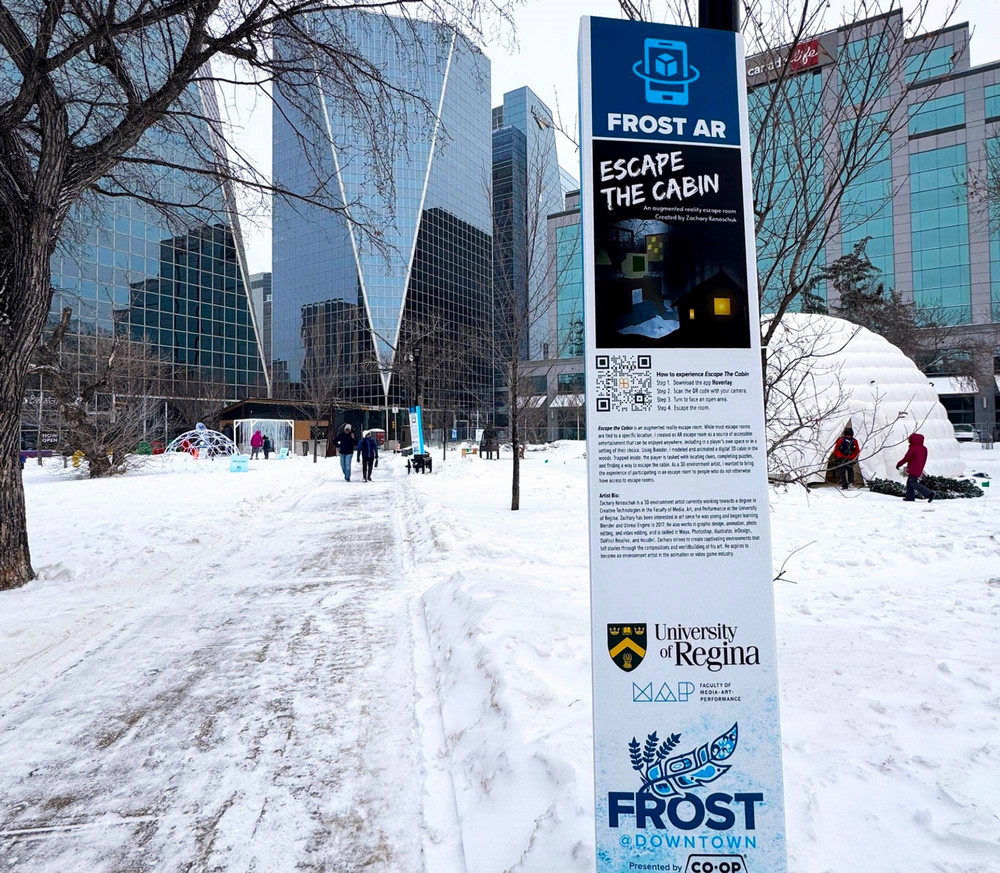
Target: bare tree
[
  {"x": 523, "y": 295},
  {"x": 814, "y": 137},
  {"x": 808, "y": 400},
  {"x": 106, "y": 393},
  {"x": 118, "y": 100}
]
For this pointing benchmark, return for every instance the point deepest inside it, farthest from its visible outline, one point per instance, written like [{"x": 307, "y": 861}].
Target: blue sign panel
[
  {"x": 687, "y": 747},
  {"x": 679, "y": 85}
]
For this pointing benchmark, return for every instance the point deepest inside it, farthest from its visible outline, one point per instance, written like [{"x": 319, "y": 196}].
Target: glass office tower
[
  {"x": 179, "y": 281},
  {"x": 376, "y": 290},
  {"x": 527, "y": 188},
  {"x": 919, "y": 201}
]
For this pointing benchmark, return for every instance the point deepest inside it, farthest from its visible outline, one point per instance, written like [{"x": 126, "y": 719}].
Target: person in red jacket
[
  {"x": 915, "y": 459},
  {"x": 845, "y": 453}
]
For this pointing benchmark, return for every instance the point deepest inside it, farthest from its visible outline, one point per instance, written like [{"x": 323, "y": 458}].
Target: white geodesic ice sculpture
[
  {"x": 203, "y": 443},
  {"x": 280, "y": 431},
  {"x": 825, "y": 374}
]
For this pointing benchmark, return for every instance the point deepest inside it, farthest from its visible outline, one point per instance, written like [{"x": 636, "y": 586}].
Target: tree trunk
[{"x": 25, "y": 295}]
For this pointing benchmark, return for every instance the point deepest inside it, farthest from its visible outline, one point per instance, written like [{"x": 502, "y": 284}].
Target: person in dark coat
[
  {"x": 368, "y": 455},
  {"x": 345, "y": 444},
  {"x": 915, "y": 460},
  {"x": 845, "y": 453},
  {"x": 266, "y": 447}
]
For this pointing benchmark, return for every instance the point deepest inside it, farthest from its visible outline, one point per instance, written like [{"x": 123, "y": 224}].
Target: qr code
[{"x": 624, "y": 383}]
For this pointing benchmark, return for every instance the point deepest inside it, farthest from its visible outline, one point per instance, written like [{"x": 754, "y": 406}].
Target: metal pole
[
  {"x": 719, "y": 14},
  {"x": 38, "y": 432}
]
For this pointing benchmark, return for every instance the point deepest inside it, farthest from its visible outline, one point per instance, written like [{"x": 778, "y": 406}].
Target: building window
[
  {"x": 938, "y": 113},
  {"x": 927, "y": 65},
  {"x": 536, "y": 385},
  {"x": 992, "y": 100},
  {"x": 570, "y": 383},
  {"x": 569, "y": 291},
  {"x": 866, "y": 209},
  {"x": 864, "y": 69},
  {"x": 722, "y": 306},
  {"x": 939, "y": 227},
  {"x": 945, "y": 362}
]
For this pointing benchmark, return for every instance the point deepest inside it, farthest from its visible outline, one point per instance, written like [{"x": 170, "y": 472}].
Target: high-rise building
[
  {"x": 385, "y": 292},
  {"x": 920, "y": 201},
  {"x": 122, "y": 265},
  {"x": 559, "y": 372},
  {"x": 261, "y": 296},
  {"x": 527, "y": 187}
]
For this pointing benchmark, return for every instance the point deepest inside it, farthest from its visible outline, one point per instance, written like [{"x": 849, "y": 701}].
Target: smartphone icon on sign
[{"x": 666, "y": 72}]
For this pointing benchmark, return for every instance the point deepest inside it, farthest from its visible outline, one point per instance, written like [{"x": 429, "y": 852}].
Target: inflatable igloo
[{"x": 826, "y": 374}]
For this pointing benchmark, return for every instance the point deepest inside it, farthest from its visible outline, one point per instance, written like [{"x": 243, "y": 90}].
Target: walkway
[{"x": 250, "y": 710}]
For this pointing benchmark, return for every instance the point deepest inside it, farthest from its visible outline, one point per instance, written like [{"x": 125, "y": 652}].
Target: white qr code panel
[{"x": 624, "y": 383}]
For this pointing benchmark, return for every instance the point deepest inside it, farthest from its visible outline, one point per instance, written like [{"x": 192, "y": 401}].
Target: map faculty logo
[
  {"x": 665, "y": 69},
  {"x": 627, "y": 645}
]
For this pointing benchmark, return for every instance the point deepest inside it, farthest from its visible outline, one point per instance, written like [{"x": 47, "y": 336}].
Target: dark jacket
[
  {"x": 368, "y": 447},
  {"x": 345, "y": 442},
  {"x": 855, "y": 449},
  {"x": 266, "y": 446},
  {"x": 915, "y": 457}
]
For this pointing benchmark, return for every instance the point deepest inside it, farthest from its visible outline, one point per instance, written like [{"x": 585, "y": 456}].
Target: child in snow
[
  {"x": 368, "y": 455},
  {"x": 266, "y": 446},
  {"x": 915, "y": 459},
  {"x": 845, "y": 453}
]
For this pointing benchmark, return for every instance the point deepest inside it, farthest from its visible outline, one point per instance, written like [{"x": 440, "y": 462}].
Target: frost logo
[
  {"x": 665, "y": 70},
  {"x": 664, "y": 775}
]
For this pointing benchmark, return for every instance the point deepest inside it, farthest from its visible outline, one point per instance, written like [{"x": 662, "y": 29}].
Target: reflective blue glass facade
[
  {"x": 527, "y": 188},
  {"x": 351, "y": 283},
  {"x": 178, "y": 283},
  {"x": 569, "y": 291},
  {"x": 932, "y": 226},
  {"x": 940, "y": 222}
]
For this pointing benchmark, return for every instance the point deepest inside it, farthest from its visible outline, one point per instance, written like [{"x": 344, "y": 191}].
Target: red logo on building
[{"x": 806, "y": 54}]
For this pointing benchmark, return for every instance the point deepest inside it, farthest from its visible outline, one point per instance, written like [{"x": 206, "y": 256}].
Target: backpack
[{"x": 845, "y": 448}]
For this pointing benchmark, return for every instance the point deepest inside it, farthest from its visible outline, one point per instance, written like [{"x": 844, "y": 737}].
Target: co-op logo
[
  {"x": 665, "y": 69},
  {"x": 666, "y": 799}
]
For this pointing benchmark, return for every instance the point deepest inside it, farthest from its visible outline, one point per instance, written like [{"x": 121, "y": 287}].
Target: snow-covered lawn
[{"x": 280, "y": 671}]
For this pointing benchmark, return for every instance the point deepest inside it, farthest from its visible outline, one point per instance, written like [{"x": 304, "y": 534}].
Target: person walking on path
[
  {"x": 915, "y": 459},
  {"x": 345, "y": 444},
  {"x": 267, "y": 447},
  {"x": 845, "y": 453},
  {"x": 256, "y": 441},
  {"x": 368, "y": 455}
]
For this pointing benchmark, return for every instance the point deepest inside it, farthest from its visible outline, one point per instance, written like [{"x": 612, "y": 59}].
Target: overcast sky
[{"x": 544, "y": 58}]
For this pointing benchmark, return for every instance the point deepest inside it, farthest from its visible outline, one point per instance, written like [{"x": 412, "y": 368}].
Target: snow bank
[
  {"x": 887, "y": 625},
  {"x": 830, "y": 373}
]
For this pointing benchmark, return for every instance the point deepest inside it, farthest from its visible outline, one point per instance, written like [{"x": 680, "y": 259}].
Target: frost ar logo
[
  {"x": 665, "y": 776},
  {"x": 665, "y": 70}
]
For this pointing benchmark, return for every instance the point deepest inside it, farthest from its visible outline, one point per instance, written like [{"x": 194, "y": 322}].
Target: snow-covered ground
[{"x": 282, "y": 671}]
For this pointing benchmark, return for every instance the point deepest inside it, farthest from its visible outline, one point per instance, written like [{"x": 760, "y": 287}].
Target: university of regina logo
[
  {"x": 627, "y": 645},
  {"x": 666, "y": 775}
]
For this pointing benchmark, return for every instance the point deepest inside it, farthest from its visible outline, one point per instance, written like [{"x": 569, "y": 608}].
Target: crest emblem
[{"x": 627, "y": 645}]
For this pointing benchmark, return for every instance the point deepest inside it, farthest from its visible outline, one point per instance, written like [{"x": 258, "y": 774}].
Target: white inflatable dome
[{"x": 827, "y": 374}]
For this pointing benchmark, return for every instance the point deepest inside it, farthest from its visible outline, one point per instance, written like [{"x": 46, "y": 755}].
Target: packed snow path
[{"x": 245, "y": 703}]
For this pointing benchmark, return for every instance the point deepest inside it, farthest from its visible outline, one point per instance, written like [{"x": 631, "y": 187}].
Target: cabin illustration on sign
[{"x": 713, "y": 314}]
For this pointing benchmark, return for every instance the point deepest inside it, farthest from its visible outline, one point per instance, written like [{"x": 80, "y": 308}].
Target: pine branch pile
[{"x": 943, "y": 487}]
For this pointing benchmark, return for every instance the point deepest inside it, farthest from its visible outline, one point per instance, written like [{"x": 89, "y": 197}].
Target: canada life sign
[{"x": 687, "y": 747}]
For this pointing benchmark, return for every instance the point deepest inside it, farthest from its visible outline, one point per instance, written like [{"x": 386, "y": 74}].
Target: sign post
[
  {"x": 417, "y": 430},
  {"x": 687, "y": 747}
]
